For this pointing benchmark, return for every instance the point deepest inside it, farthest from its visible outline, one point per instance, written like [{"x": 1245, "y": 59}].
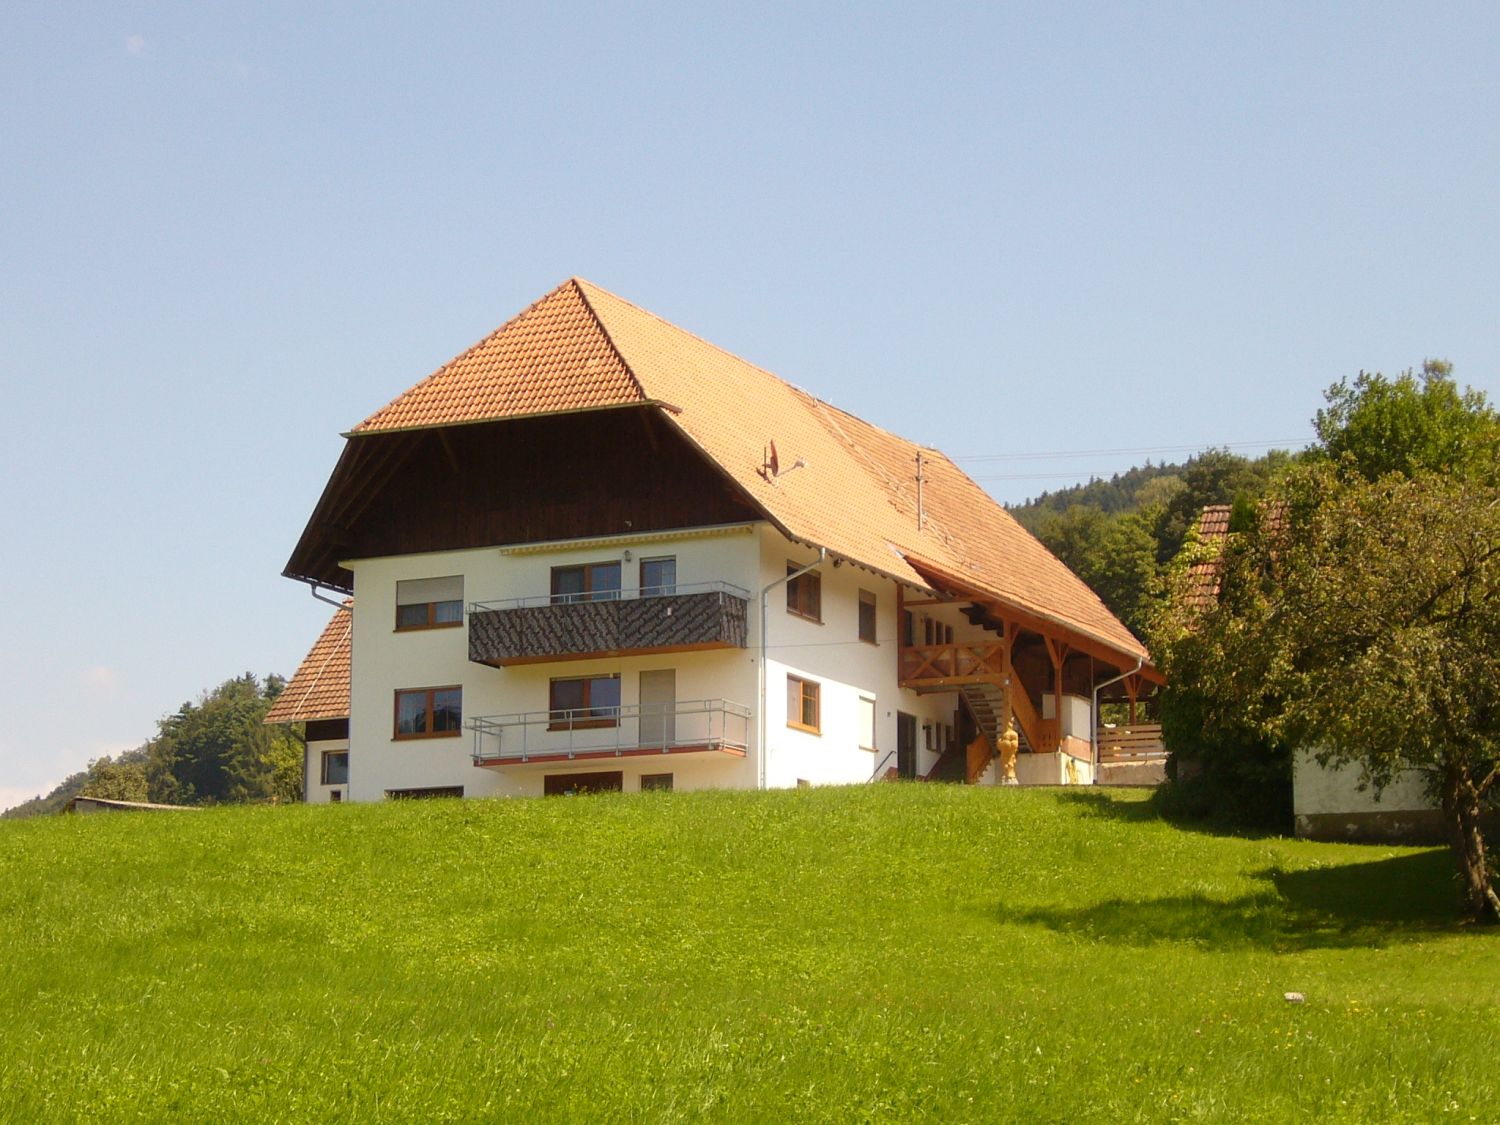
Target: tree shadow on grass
[
  {"x": 1099, "y": 802},
  {"x": 1370, "y": 905}
]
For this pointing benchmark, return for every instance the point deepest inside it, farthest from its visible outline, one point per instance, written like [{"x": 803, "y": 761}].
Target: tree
[
  {"x": 1362, "y": 622},
  {"x": 1380, "y": 425},
  {"x": 1114, "y": 554},
  {"x": 118, "y": 779},
  {"x": 219, "y": 749}
]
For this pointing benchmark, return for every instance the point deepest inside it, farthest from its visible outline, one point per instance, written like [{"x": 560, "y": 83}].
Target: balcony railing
[
  {"x": 606, "y": 623},
  {"x": 603, "y": 732},
  {"x": 952, "y": 663},
  {"x": 673, "y": 590}
]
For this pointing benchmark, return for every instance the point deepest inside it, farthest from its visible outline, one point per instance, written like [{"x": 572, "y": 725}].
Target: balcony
[
  {"x": 944, "y": 667},
  {"x": 698, "y": 727},
  {"x": 580, "y": 626}
]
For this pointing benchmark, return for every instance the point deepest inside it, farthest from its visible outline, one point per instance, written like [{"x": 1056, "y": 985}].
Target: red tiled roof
[
  {"x": 320, "y": 689},
  {"x": 581, "y": 348},
  {"x": 553, "y": 357},
  {"x": 1203, "y": 576}
]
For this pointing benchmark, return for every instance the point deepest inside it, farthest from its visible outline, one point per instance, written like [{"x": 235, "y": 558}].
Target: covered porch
[{"x": 1009, "y": 665}]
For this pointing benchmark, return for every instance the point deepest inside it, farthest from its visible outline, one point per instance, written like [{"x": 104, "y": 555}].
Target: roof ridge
[
  {"x": 578, "y": 284},
  {"x": 707, "y": 343}
]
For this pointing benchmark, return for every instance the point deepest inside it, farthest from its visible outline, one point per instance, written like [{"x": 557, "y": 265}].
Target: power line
[{"x": 1061, "y": 455}]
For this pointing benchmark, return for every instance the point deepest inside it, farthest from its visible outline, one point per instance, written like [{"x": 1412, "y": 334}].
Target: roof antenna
[{"x": 921, "y": 515}]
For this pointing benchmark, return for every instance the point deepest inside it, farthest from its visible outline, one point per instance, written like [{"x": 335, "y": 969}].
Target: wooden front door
[
  {"x": 577, "y": 784},
  {"x": 906, "y": 745}
]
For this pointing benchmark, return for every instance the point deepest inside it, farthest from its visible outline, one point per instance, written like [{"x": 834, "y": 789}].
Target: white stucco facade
[{"x": 855, "y": 678}]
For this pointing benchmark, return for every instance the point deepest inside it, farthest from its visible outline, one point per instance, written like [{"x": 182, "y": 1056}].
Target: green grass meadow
[{"x": 885, "y": 952}]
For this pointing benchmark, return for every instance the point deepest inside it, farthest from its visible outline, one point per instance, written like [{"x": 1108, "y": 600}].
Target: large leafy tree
[
  {"x": 219, "y": 748},
  {"x": 1363, "y": 623},
  {"x": 1357, "y": 610},
  {"x": 1378, "y": 425}
]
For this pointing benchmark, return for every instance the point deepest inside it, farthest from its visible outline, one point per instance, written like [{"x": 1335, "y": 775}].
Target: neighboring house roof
[
  {"x": 583, "y": 348},
  {"x": 1203, "y": 576},
  {"x": 320, "y": 689},
  {"x": 1212, "y": 529}
]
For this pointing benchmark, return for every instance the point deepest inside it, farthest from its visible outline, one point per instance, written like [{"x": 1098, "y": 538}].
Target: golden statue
[{"x": 1010, "y": 744}]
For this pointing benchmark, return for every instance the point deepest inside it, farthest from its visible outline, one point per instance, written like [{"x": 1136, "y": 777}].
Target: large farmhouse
[{"x": 597, "y": 552}]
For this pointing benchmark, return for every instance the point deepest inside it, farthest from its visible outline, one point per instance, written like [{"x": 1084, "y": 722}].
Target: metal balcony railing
[{"x": 696, "y": 724}]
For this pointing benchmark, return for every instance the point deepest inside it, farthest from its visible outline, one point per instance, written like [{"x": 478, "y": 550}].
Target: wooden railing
[
  {"x": 978, "y": 755},
  {"x": 1139, "y": 743},
  {"x": 954, "y": 663},
  {"x": 1044, "y": 735}
]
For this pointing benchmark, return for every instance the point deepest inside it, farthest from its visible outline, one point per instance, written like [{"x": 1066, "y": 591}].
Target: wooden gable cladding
[{"x": 527, "y": 480}]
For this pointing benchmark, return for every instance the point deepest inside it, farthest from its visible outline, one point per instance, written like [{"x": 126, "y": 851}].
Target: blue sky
[{"x": 229, "y": 232}]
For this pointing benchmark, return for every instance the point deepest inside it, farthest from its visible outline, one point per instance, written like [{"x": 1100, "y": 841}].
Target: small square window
[
  {"x": 655, "y": 782},
  {"x": 804, "y": 593},
  {"x": 866, "y": 723},
  {"x": 867, "y": 616},
  {"x": 335, "y": 767},
  {"x": 802, "y": 704}
]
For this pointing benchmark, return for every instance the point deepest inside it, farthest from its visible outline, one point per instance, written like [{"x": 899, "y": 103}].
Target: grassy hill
[{"x": 885, "y": 952}]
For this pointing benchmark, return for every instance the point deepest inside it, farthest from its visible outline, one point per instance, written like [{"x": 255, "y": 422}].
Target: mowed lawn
[{"x": 885, "y": 952}]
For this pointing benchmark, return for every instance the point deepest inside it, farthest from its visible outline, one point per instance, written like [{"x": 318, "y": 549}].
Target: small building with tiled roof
[
  {"x": 596, "y": 551},
  {"x": 1329, "y": 802},
  {"x": 318, "y": 698}
]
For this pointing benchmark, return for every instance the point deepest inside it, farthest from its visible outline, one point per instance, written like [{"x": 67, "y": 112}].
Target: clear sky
[{"x": 228, "y": 232}]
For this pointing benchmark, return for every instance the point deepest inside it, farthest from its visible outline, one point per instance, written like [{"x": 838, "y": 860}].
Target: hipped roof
[{"x": 855, "y": 494}]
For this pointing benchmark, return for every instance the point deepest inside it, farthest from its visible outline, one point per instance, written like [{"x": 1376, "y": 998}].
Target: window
[
  {"x": 335, "y": 796},
  {"x": 866, "y": 723},
  {"x": 804, "y": 594},
  {"x": 867, "y": 616},
  {"x": 592, "y": 582},
  {"x": 335, "y": 767},
  {"x": 429, "y": 712},
  {"x": 655, "y": 781},
  {"x": 658, "y": 576},
  {"x": 802, "y": 704},
  {"x": 430, "y": 603},
  {"x": 590, "y": 701}
]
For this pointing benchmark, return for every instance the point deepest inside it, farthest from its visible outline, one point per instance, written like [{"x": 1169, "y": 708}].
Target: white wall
[
  {"x": 830, "y": 653},
  {"x": 1335, "y": 789},
  {"x": 314, "y": 791},
  {"x": 385, "y": 661}
]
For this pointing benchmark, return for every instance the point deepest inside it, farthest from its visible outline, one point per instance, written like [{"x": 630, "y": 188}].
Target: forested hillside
[
  {"x": 215, "y": 751},
  {"x": 1118, "y": 535}
]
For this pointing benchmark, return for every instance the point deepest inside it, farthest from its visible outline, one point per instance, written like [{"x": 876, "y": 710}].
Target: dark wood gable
[{"x": 526, "y": 480}]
